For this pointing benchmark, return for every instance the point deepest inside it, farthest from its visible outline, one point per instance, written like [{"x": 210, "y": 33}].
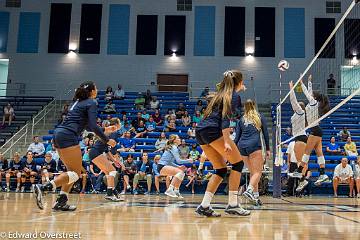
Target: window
[
  {"x": 13, "y": 3},
  {"x": 184, "y": 5},
  {"x": 333, "y": 7}
]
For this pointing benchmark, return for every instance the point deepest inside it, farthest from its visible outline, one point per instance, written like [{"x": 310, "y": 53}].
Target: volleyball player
[
  {"x": 48, "y": 168},
  {"x": 298, "y": 123},
  {"x": 3, "y": 168},
  {"x": 213, "y": 135},
  {"x": 168, "y": 166},
  {"x": 82, "y": 115},
  {"x": 99, "y": 156},
  {"x": 248, "y": 140},
  {"x": 29, "y": 171},
  {"x": 15, "y": 168},
  {"x": 318, "y": 104}
]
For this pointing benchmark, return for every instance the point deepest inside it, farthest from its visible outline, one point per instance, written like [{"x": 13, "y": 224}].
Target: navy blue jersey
[
  {"x": 215, "y": 119},
  {"x": 82, "y": 115},
  {"x": 61, "y": 166},
  {"x": 102, "y": 147},
  {"x": 50, "y": 166},
  {"x": 4, "y": 165},
  {"x": 30, "y": 165},
  {"x": 16, "y": 166},
  {"x": 247, "y": 134}
]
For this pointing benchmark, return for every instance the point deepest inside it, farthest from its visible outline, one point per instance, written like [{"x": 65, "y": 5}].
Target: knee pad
[
  {"x": 18, "y": 175},
  {"x": 238, "y": 166},
  {"x": 113, "y": 173},
  {"x": 180, "y": 175},
  {"x": 305, "y": 158},
  {"x": 221, "y": 172},
  {"x": 321, "y": 160},
  {"x": 73, "y": 176}
]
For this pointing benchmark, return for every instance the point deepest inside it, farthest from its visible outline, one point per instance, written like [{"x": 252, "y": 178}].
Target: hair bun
[{"x": 229, "y": 73}]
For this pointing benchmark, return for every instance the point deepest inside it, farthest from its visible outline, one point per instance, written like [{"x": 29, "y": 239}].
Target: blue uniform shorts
[{"x": 64, "y": 138}]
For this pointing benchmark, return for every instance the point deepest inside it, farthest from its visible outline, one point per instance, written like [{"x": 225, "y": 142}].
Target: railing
[
  {"x": 22, "y": 134},
  {"x": 42, "y": 115}
]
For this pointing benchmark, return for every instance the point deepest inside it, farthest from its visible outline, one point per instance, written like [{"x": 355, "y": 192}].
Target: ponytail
[
  {"x": 84, "y": 91},
  {"x": 171, "y": 141},
  {"x": 324, "y": 103}
]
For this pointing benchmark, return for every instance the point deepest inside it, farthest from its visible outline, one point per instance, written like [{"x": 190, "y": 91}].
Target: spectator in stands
[
  {"x": 199, "y": 106},
  {"x": 65, "y": 109},
  {"x": 109, "y": 108},
  {"x": 357, "y": 176},
  {"x": 344, "y": 134},
  {"x": 180, "y": 111},
  {"x": 186, "y": 119},
  {"x": 96, "y": 177},
  {"x": 161, "y": 142},
  {"x": 157, "y": 118},
  {"x": 191, "y": 175},
  {"x": 61, "y": 119},
  {"x": 99, "y": 122},
  {"x": 197, "y": 117},
  {"x": 333, "y": 148},
  {"x": 154, "y": 103},
  {"x": 54, "y": 154},
  {"x": 331, "y": 85},
  {"x": 86, "y": 157},
  {"x": 91, "y": 142},
  {"x": 184, "y": 150},
  {"x": 48, "y": 168},
  {"x": 150, "y": 125},
  {"x": 109, "y": 94},
  {"x": 205, "y": 92},
  {"x": 128, "y": 173},
  {"x": 84, "y": 143},
  {"x": 157, "y": 175},
  {"x": 37, "y": 148},
  {"x": 350, "y": 148},
  {"x": 194, "y": 153},
  {"x": 171, "y": 126},
  {"x": 124, "y": 120},
  {"x": 15, "y": 168},
  {"x": 3, "y": 168},
  {"x": 191, "y": 131},
  {"x": 126, "y": 128},
  {"x": 106, "y": 122},
  {"x": 343, "y": 174},
  {"x": 137, "y": 120},
  {"x": 140, "y": 131},
  {"x": 29, "y": 171},
  {"x": 170, "y": 113},
  {"x": 232, "y": 133},
  {"x": 9, "y": 114},
  {"x": 127, "y": 144},
  {"x": 140, "y": 102},
  {"x": 119, "y": 93},
  {"x": 144, "y": 173},
  {"x": 148, "y": 98},
  {"x": 145, "y": 115}
]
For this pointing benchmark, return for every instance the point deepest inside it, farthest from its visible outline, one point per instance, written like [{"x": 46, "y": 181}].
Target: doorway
[
  {"x": 172, "y": 82},
  {"x": 4, "y": 71},
  {"x": 350, "y": 76}
]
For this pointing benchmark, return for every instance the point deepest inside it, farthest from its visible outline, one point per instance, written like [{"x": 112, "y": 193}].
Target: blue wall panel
[
  {"x": 4, "y": 30},
  {"x": 294, "y": 33},
  {"x": 118, "y": 32},
  {"x": 204, "y": 37},
  {"x": 29, "y": 29}
]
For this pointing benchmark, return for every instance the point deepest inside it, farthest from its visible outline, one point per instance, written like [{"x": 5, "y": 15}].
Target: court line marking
[{"x": 345, "y": 218}]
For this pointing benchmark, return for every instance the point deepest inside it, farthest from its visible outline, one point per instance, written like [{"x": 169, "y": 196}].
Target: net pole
[
  {"x": 277, "y": 138},
  {"x": 353, "y": 3}
]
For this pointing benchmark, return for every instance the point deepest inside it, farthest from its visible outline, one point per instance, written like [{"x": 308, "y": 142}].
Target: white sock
[
  {"x": 18, "y": 185},
  {"x": 171, "y": 187},
  {"x": 207, "y": 199},
  {"x": 201, "y": 165},
  {"x": 233, "y": 198},
  {"x": 8, "y": 185},
  {"x": 250, "y": 188},
  {"x": 53, "y": 183},
  {"x": 256, "y": 195},
  {"x": 62, "y": 192}
]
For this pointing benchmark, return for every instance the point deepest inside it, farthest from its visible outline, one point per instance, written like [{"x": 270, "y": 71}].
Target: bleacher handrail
[
  {"x": 42, "y": 115},
  {"x": 14, "y": 140}
]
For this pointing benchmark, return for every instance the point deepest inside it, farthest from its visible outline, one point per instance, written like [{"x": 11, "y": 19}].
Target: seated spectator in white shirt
[
  {"x": 9, "y": 114},
  {"x": 191, "y": 131},
  {"x": 343, "y": 174},
  {"x": 37, "y": 148},
  {"x": 154, "y": 103},
  {"x": 119, "y": 93}
]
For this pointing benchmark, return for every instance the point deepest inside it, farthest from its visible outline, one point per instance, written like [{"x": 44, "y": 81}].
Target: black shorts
[
  {"x": 207, "y": 135},
  {"x": 316, "y": 131},
  {"x": 301, "y": 138},
  {"x": 249, "y": 150},
  {"x": 159, "y": 167},
  {"x": 64, "y": 138}
]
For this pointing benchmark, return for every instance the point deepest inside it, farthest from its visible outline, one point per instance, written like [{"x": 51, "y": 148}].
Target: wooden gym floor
[{"x": 157, "y": 217}]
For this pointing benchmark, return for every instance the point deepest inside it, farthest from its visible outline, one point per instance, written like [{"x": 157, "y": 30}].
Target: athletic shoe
[
  {"x": 236, "y": 211},
  {"x": 157, "y": 193},
  {"x": 135, "y": 192},
  {"x": 17, "y": 190},
  {"x": 128, "y": 187},
  {"x": 112, "y": 198},
  {"x": 122, "y": 192},
  {"x": 147, "y": 193},
  {"x": 178, "y": 194},
  {"x": 8, "y": 189},
  {"x": 249, "y": 195},
  {"x": 258, "y": 202},
  {"x": 22, "y": 189},
  {"x": 302, "y": 185},
  {"x": 295, "y": 175},
  {"x": 38, "y": 196},
  {"x": 170, "y": 192},
  {"x": 61, "y": 204},
  {"x": 321, "y": 179},
  {"x": 206, "y": 212}
]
